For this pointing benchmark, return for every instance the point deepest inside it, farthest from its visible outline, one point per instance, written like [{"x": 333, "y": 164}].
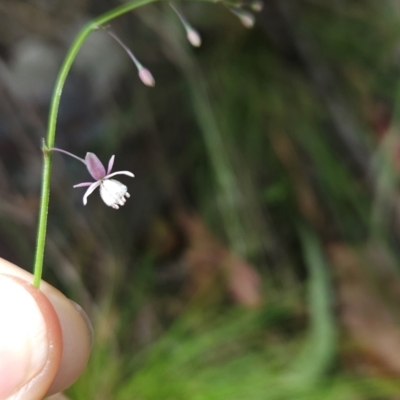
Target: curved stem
[
  {"x": 137, "y": 63},
  {"x": 51, "y": 132},
  {"x": 67, "y": 153}
]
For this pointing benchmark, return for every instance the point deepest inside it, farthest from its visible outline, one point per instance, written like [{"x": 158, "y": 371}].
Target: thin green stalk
[
  {"x": 319, "y": 351},
  {"x": 51, "y": 132}
]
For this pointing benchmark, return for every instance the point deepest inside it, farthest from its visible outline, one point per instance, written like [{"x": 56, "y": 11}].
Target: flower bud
[
  {"x": 146, "y": 77},
  {"x": 194, "y": 38},
  {"x": 257, "y": 6},
  {"x": 246, "y": 18}
]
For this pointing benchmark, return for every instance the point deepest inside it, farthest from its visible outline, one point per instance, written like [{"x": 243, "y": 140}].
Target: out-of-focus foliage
[{"x": 258, "y": 255}]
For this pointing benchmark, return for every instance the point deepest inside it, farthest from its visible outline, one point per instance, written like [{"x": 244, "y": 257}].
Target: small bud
[
  {"x": 144, "y": 74},
  {"x": 194, "y": 37},
  {"x": 257, "y": 6},
  {"x": 146, "y": 77},
  {"x": 246, "y": 18},
  {"x": 191, "y": 33}
]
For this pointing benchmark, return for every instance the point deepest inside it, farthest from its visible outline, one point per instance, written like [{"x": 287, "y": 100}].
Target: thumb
[{"x": 31, "y": 341}]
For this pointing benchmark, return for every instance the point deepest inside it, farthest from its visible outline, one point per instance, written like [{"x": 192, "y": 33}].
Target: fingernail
[
  {"x": 23, "y": 337},
  {"x": 86, "y": 319}
]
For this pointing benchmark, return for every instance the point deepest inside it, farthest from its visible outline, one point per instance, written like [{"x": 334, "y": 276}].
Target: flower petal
[
  {"x": 120, "y": 172},
  {"x": 113, "y": 193},
  {"x": 88, "y": 192},
  {"x": 110, "y": 164},
  {"x": 83, "y": 184},
  {"x": 94, "y": 166}
]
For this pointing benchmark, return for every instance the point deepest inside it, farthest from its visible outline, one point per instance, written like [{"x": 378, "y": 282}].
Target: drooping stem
[
  {"x": 191, "y": 33},
  {"x": 144, "y": 74},
  {"x": 137, "y": 63},
  {"x": 180, "y": 15},
  {"x": 67, "y": 153},
  {"x": 51, "y": 132}
]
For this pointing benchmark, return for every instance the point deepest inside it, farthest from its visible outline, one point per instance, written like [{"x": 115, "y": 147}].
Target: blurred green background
[{"x": 258, "y": 256}]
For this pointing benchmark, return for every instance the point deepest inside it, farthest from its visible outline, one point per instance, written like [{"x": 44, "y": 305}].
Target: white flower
[{"x": 113, "y": 192}]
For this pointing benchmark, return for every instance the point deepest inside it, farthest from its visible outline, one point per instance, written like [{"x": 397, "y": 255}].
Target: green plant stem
[{"x": 51, "y": 132}]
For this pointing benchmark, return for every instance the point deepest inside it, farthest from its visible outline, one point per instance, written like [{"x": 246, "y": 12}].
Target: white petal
[
  {"x": 90, "y": 191},
  {"x": 83, "y": 184},
  {"x": 113, "y": 193},
  {"x": 120, "y": 172}
]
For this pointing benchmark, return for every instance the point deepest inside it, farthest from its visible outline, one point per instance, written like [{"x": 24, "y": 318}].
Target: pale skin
[{"x": 45, "y": 338}]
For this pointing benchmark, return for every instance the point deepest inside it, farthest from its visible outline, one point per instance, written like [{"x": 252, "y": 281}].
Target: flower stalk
[
  {"x": 107, "y": 185},
  {"x": 51, "y": 130},
  {"x": 144, "y": 74}
]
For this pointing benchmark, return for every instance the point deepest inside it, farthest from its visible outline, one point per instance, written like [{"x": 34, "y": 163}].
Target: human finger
[
  {"x": 30, "y": 340},
  {"x": 77, "y": 333}
]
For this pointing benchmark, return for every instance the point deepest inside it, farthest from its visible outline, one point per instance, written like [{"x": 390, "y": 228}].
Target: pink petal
[
  {"x": 83, "y": 184},
  {"x": 92, "y": 187},
  {"x": 94, "y": 166},
  {"x": 120, "y": 173},
  {"x": 110, "y": 164}
]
